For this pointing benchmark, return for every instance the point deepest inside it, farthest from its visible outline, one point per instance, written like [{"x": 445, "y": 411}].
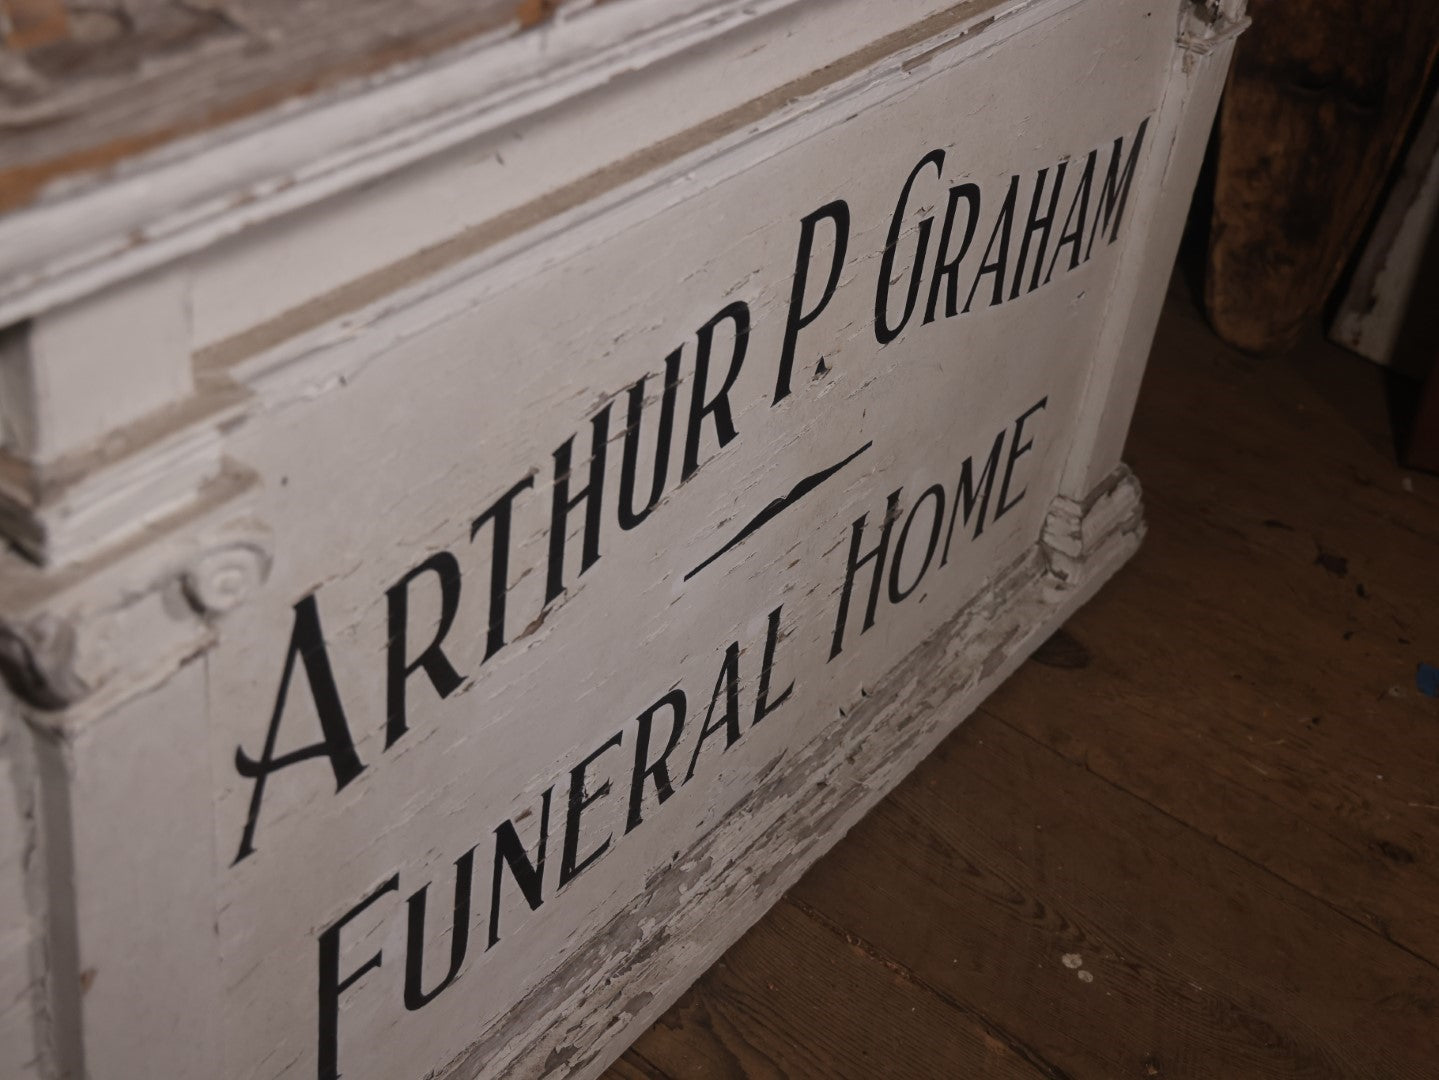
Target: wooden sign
[{"x": 585, "y": 592}]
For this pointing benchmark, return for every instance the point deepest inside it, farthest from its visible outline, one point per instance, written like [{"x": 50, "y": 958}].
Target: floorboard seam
[
  {"x": 651, "y": 1068},
  {"x": 1012, "y": 1042},
  {"x": 1270, "y": 871}
]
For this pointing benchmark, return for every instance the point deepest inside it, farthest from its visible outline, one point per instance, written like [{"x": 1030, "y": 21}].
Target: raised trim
[
  {"x": 189, "y": 194},
  {"x": 335, "y": 335},
  {"x": 64, "y": 512},
  {"x": 77, "y": 641},
  {"x": 195, "y": 192}
]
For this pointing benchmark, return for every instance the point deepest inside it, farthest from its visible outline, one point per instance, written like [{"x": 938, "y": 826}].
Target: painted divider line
[{"x": 778, "y": 506}]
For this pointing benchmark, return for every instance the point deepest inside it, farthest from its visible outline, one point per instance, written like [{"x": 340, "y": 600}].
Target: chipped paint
[{"x": 350, "y": 649}]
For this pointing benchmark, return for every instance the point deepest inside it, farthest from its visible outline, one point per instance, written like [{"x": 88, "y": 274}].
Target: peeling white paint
[{"x": 322, "y": 497}]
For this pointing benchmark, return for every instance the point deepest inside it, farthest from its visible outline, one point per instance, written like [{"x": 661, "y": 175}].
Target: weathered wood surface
[
  {"x": 1318, "y": 103},
  {"x": 783, "y": 979},
  {"x": 632, "y": 611},
  {"x": 426, "y": 163},
  {"x": 436, "y": 686},
  {"x": 128, "y": 77},
  {"x": 28, "y": 24},
  {"x": 1213, "y": 794}
]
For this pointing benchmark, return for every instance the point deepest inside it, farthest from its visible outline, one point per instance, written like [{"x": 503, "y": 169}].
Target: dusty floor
[{"x": 1198, "y": 836}]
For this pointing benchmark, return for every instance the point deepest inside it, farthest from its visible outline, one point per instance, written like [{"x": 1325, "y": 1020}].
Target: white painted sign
[
  {"x": 576, "y": 568},
  {"x": 613, "y": 579}
]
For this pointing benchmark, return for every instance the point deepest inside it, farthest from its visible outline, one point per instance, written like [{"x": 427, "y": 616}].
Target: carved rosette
[
  {"x": 105, "y": 637},
  {"x": 223, "y": 578}
]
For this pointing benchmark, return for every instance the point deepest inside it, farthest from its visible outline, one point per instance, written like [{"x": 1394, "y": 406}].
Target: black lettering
[
  {"x": 1114, "y": 194},
  {"x": 967, "y": 493},
  {"x": 529, "y": 875},
  {"x": 331, "y": 985},
  {"x": 729, "y": 681},
  {"x": 798, "y": 318},
  {"x": 500, "y": 512},
  {"x": 416, "y": 997},
  {"x": 1015, "y": 453},
  {"x": 659, "y": 769},
  {"x": 996, "y": 265},
  {"x": 718, "y": 406},
  {"x": 877, "y": 554},
  {"x": 762, "y": 705},
  {"x": 896, "y": 593},
  {"x": 581, "y": 798},
  {"x": 592, "y": 495},
  {"x": 947, "y": 269},
  {"x": 1072, "y": 235},
  {"x": 629, "y": 516},
  {"x": 1040, "y": 225},
  {"x": 883, "y": 332},
  {"x": 307, "y": 642},
  {"x": 443, "y": 676}
]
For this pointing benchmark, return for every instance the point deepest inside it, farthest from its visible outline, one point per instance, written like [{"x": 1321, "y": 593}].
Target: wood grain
[
  {"x": 28, "y": 24},
  {"x": 742, "y": 1020},
  {"x": 1320, "y": 90},
  {"x": 1288, "y": 561},
  {"x": 1004, "y": 872},
  {"x": 631, "y": 1066},
  {"x": 137, "y": 80}
]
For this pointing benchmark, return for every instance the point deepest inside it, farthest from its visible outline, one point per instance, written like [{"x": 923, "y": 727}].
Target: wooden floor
[{"x": 1197, "y": 837}]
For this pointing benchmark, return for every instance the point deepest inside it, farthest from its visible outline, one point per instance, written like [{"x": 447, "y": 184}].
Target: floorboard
[{"x": 1196, "y": 836}]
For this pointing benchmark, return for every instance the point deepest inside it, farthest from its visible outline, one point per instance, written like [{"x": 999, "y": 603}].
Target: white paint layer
[{"x": 432, "y": 682}]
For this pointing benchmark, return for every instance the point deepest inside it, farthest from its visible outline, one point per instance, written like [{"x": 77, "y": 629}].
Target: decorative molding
[
  {"x": 221, "y": 579},
  {"x": 102, "y": 631},
  {"x": 37, "y": 660},
  {"x": 1206, "y": 25},
  {"x": 66, "y": 512},
  {"x": 194, "y": 192},
  {"x": 362, "y": 322},
  {"x": 1111, "y": 517}
]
